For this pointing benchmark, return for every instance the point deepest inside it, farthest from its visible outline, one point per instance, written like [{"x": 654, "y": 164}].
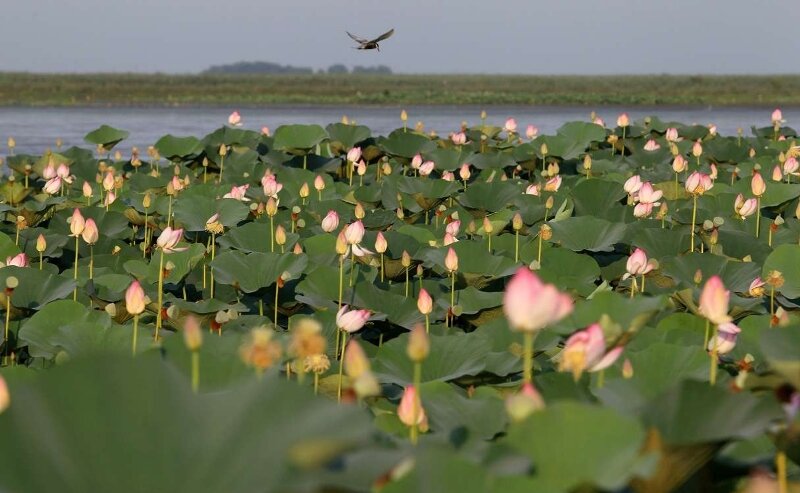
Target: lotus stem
[
  {"x": 144, "y": 240},
  {"x": 135, "y": 334},
  {"x": 195, "y": 371},
  {"x": 260, "y": 308},
  {"x": 160, "y": 293},
  {"x": 634, "y": 287},
  {"x": 316, "y": 382},
  {"x": 277, "y": 290},
  {"x": 341, "y": 366},
  {"x": 427, "y": 324},
  {"x": 75, "y": 273},
  {"x": 211, "y": 269},
  {"x": 169, "y": 211},
  {"x": 780, "y": 466},
  {"x": 221, "y": 167},
  {"x": 642, "y": 288},
  {"x": 622, "y": 152},
  {"x": 539, "y": 254},
  {"x": 305, "y": 161},
  {"x": 271, "y": 234},
  {"x": 382, "y": 268},
  {"x": 708, "y": 331},
  {"x": 527, "y": 368},
  {"x": 712, "y": 370},
  {"x": 769, "y": 237},
  {"x": 41, "y": 260},
  {"x": 8, "y": 322},
  {"x": 694, "y": 218},
  {"x": 407, "y": 283},
  {"x": 516, "y": 246},
  {"x": 341, "y": 280},
  {"x": 91, "y": 262},
  {"x": 758, "y": 217},
  {"x": 453, "y": 297},
  {"x": 772, "y": 301},
  {"x": 417, "y": 381},
  {"x": 352, "y": 266},
  {"x": 489, "y": 242}
]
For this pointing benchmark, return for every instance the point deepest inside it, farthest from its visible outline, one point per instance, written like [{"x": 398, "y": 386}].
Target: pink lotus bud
[
  {"x": 108, "y": 181},
  {"x": 5, "y": 395},
  {"x": 679, "y": 164},
  {"x": 235, "y": 119},
  {"x": 714, "y": 173},
  {"x": 52, "y": 186},
  {"x": 651, "y": 145},
  {"x": 265, "y": 131},
  {"x": 168, "y": 240},
  {"x": 381, "y": 245},
  {"x": 633, "y": 184},
  {"x": 697, "y": 149},
  {"x": 725, "y": 340},
  {"x": 599, "y": 122},
  {"x": 90, "y": 232},
  {"x": 62, "y": 171},
  {"x": 757, "y": 184},
  {"x": 177, "y": 183},
  {"x": 524, "y": 403},
  {"x": 533, "y": 189},
  {"x": 777, "y": 176},
  {"x": 319, "y": 183},
  {"x": 451, "y": 260},
  {"x": 553, "y": 184},
  {"x": 426, "y": 168},
  {"x": 648, "y": 195},
  {"x": 777, "y": 116},
  {"x": 330, "y": 222},
  {"x": 270, "y": 186},
  {"x": 361, "y": 168},
  {"x": 192, "y": 334},
  {"x": 356, "y": 362},
  {"x": 510, "y": 125},
  {"x": 424, "y": 302},
  {"x": 49, "y": 172},
  {"x": 582, "y": 350},
  {"x": 464, "y": 172},
  {"x": 354, "y": 154},
  {"x": 135, "y": 299},
  {"x": 531, "y": 132},
  {"x": 410, "y": 410},
  {"x": 671, "y": 134},
  {"x": 714, "y": 301},
  {"x": 18, "y": 260},
  {"x": 790, "y": 166},
  {"x": 623, "y": 120},
  {"x": 87, "y": 189},
  {"x": 416, "y": 161},
  {"x": 110, "y": 198},
  {"x": 531, "y": 305},
  {"x": 354, "y": 233},
  {"x": 638, "y": 264},
  {"x": 449, "y": 239},
  {"x": 352, "y": 320},
  {"x": 459, "y": 138},
  {"x": 76, "y": 223},
  {"x": 448, "y": 176}
]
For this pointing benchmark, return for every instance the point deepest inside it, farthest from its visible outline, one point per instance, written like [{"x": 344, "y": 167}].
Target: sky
[{"x": 464, "y": 36}]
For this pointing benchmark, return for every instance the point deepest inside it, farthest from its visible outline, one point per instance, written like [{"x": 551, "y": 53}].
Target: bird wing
[
  {"x": 356, "y": 38},
  {"x": 383, "y": 36}
]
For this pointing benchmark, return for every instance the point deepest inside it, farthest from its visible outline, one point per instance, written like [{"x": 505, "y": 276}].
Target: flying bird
[{"x": 370, "y": 44}]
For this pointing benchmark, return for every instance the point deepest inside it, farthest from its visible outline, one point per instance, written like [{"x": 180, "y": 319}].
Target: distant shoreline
[{"x": 396, "y": 90}]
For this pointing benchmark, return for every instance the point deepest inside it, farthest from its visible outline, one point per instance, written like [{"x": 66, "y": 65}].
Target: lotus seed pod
[
  {"x": 12, "y": 282},
  {"x": 718, "y": 221},
  {"x": 708, "y": 225},
  {"x": 419, "y": 344},
  {"x": 779, "y": 220},
  {"x": 301, "y": 223},
  {"x": 317, "y": 363}
]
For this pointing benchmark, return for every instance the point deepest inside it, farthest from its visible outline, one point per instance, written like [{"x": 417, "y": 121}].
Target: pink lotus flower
[
  {"x": 449, "y": 239},
  {"x": 531, "y": 305},
  {"x": 777, "y": 116},
  {"x": 238, "y": 193},
  {"x": 698, "y": 183},
  {"x": 135, "y": 299},
  {"x": 410, "y": 410},
  {"x": 642, "y": 210},
  {"x": 451, "y": 260},
  {"x": 416, "y": 161},
  {"x": 745, "y": 208},
  {"x": 586, "y": 350},
  {"x": 108, "y": 181},
  {"x": 714, "y": 301},
  {"x": 169, "y": 239},
  {"x": 599, "y": 122},
  {"x": 76, "y": 223},
  {"x": 777, "y": 175},
  {"x": 265, "y": 131},
  {"x": 87, "y": 189},
  {"x": 448, "y": 176},
  {"x": 725, "y": 340},
  {"x": 270, "y": 185},
  {"x": 90, "y": 232},
  {"x": 679, "y": 164},
  {"x": 49, "y": 172},
  {"x": 424, "y": 302},
  {"x": 18, "y": 260},
  {"x": 354, "y": 154},
  {"x": 757, "y": 184},
  {"x": 381, "y": 245},
  {"x": 52, "y": 186},
  {"x": 756, "y": 287},
  {"x": 453, "y": 227},
  {"x": 426, "y": 168},
  {"x": 360, "y": 251},
  {"x": 714, "y": 173},
  {"x": 531, "y": 132},
  {"x": 672, "y": 134},
  {"x": 697, "y": 148},
  {"x": 638, "y": 264},
  {"x": 790, "y": 166},
  {"x": 235, "y": 119},
  {"x": 459, "y": 138},
  {"x": 623, "y": 120},
  {"x": 354, "y": 233},
  {"x": 352, "y": 320},
  {"x": 533, "y": 189},
  {"x": 712, "y": 129},
  {"x": 111, "y": 197},
  {"x": 553, "y": 184},
  {"x": 63, "y": 172},
  {"x": 648, "y": 195},
  {"x": 510, "y": 125},
  {"x": 652, "y": 145},
  {"x": 633, "y": 184},
  {"x": 319, "y": 183},
  {"x": 177, "y": 184},
  {"x": 464, "y": 172},
  {"x": 330, "y": 222}
]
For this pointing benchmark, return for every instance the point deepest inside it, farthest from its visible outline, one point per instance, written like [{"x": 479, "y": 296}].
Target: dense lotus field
[{"x": 610, "y": 308}]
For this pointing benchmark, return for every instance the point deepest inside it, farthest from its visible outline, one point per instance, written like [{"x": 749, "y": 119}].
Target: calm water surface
[{"x": 36, "y": 129}]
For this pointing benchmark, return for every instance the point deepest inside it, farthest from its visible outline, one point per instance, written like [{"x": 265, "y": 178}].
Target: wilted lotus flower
[
  {"x": 168, "y": 240},
  {"x": 638, "y": 264},
  {"x": 777, "y": 116},
  {"x": 632, "y": 185},
  {"x": 459, "y": 138},
  {"x": 679, "y": 164},
  {"x": 52, "y": 186},
  {"x": 238, "y": 193},
  {"x": 235, "y": 119},
  {"x": 510, "y": 125},
  {"x": 586, "y": 350},
  {"x": 714, "y": 301},
  {"x": 352, "y": 320},
  {"x": 744, "y": 208},
  {"x": 757, "y": 184},
  {"x": 533, "y": 189},
  {"x": 671, "y": 134},
  {"x": 756, "y": 288},
  {"x": 18, "y": 260},
  {"x": 531, "y": 305},
  {"x": 330, "y": 222},
  {"x": 135, "y": 299},
  {"x": 426, "y": 168},
  {"x": 259, "y": 350},
  {"x": 725, "y": 340},
  {"x": 410, "y": 410},
  {"x": 270, "y": 185},
  {"x": 651, "y": 145},
  {"x": 531, "y": 132},
  {"x": 354, "y": 233},
  {"x": 90, "y": 233},
  {"x": 553, "y": 184},
  {"x": 354, "y": 154},
  {"x": 698, "y": 183}
]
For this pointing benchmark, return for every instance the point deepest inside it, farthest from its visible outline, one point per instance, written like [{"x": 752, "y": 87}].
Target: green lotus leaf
[
  {"x": 448, "y": 409},
  {"x": 598, "y": 197},
  {"x": 36, "y": 288},
  {"x": 49, "y": 329},
  {"x": 781, "y": 346},
  {"x": 659, "y": 243},
  {"x": 197, "y": 204},
  {"x": 628, "y": 313},
  {"x": 489, "y": 197},
  {"x": 436, "y": 470},
  {"x": 176, "y": 148},
  {"x": 251, "y": 272},
  {"x": 231, "y": 136},
  {"x": 569, "y": 270},
  {"x": 786, "y": 260},
  {"x": 406, "y": 144},
  {"x": 106, "y": 136},
  {"x": 298, "y": 136},
  {"x": 587, "y": 233},
  {"x": 348, "y": 135},
  {"x": 736, "y": 276},
  {"x": 182, "y": 262},
  {"x": 7, "y": 247},
  {"x": 493, "y": 161}
]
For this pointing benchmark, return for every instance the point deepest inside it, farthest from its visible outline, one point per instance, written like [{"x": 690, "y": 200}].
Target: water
[{"x": 36, "y": 129}]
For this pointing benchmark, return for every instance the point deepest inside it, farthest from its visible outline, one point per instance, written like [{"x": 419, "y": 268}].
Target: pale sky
[{"x": 464, "y": 36}]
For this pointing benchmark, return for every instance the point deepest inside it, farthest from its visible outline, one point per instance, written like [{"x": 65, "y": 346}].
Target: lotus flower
[
  {"x": 586, "y": 350},
  {"x": 168, "y": 240},
  {"x": 426, "y": 168},
  {"x": 459, "y": 138},
  {"x": 698, "y": 183},
  {"x": 453, "y": 227},
  {"x": 271, "y": 186},
  {"x": 451, "y": 260},
  {"x": 416, "y": 161},
  {"x": 510, "y": 125},
  {"x": 679, "y": 164},
  {"x": 643, "y": 210},
  {"x": 531, "y": 132},
  {"x": 449, "y": 239},
  {"x": 176, "y": 184},
  {"x": 464, "y": 172},
  {"x": 623, "y": 120},
  {"x": 352, "y": 320},
  {"x": 672, "y": 134},
  {"x": 790, "y": 166},
  {"x": 330, "y": 222},
  {"x": 90, "y": 232},
  {"x": 410, "y": 410},
  {"x": 756, "y": 288},
  {"x": 265, "y": 131},
  {"x": 553, "y": 184},
  {"x": 651, "y": 145},
  {"x": 76, "y": 223},
  {"x": 424, "y": 302},
  {"x": 632, "y": 185},
  {"x": 714, "y": 301},
  {"x": 354, "y": 232},
  {"x": 745, "y": 208},
  {"x": 235, "y": 119},
  {"x": 725, "y": 340},
  {"x": 238, "y": 193},
  {"x": 648, "y": 195},
  {"x": 524, "y": 403},
  {"x": 777, "y": 116},
  {"x": 49, "y": 172},
  {"x": 63, "y": 172},
  {"x": 135, "y": 299},
  {"x": 110, "y": 198},
  {"x": 533, "y": 189},
  {"x": 638, "y": 264},
  {"x": 18, "y": 260},
  {"x": 52, "y": 186},
  {"x": 531, "y": 305}
]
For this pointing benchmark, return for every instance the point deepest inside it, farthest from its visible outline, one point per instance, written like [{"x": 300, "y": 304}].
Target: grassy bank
[{"x": 159, "y": 89}]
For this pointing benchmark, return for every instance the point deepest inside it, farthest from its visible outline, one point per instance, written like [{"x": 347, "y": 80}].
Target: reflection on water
[{"x": 36, "y": 129}]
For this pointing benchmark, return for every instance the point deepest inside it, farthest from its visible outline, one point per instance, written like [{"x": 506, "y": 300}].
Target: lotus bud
[
  {"x": 516, "y": 222},
  {"x": 410, "y": 410},
  {"x": 627, "y": 369},
  {"x": 546, "y": 232},
  {"x": 319, "y": 183},
  {"x": 424, "y": 302},
  {"x": 386, "y": 168},
  {"x": 111, "y": 309},
  {"x": 587, "y": 162},
  {"x": 108, "y": 181},
  {"x": 90, "y": 233},
  {"x": 356, "y": 362},
  {"x": 524, "y": 403},
  {"x": 272, "y": 207},
  {"x": 548, "y": 204},
  {"x": 405, "y": 259},
  {"x": 553, "y": 169},
  {"x": 359, "y": 211},
  {"x": 757, "y": 184},
  {"x": 76, "y": 223},
  {"x": 297, "y": 250},
  {"x": 697, "y": 149},
  {"x": 714, "y": 301},
  {"x": 41, "y": 244},
  {"x": 451, "y": 260},
  {"x": 623, "y": 120},
  {"x": 381, "y": 244},
  {"x": 341, "y": 244},
  {"x": 330, "y": 222},
  {"x": 192, "y": 334},
  {"x": 280, "y": 235},
  {"x": 777, "y": 175},
  {"x": 543, "y": 149},
  {"x": 510, "y": 125},
  {"x": 304, "y": 190},
  {"x": 403, "y": 116},
  {"x": 464, "y": 172},
  {"x": 135, "y": 298},
  {"x": 487, "y": 225},
  {"x": 5, "y": 395},
  {"x": 420, "y": 270},
  {"x": 354, "y": 232},
  {"x": 400, "y": 213}
]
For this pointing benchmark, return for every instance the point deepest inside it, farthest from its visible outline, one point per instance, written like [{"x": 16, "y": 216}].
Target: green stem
[
  {"x": 41, "y": 260},
  {"x": 417, "y": 383},
  {"x": 382, "y": 268},
  {"x": 271, "y": 234},
  {"x": 341, "y": 368},
  {"x": 135, "y": 340},
  {"x": 780, "y": 467},
  {"x": 694, "y": 217},
  {"x": 275, "y": 318},
  {"x": 758, "y": 217},
  {"x": 407, "y": 283},
  {"x": 91, "y": 262},
  {"x": 708, "y": 331},
  {"x": 527, "y": 368},
  {"x": 75, "y": 274},
  {"x": 772, "y": 301},
  {"x": 516, "y": 246},
  {"x": 8, "y": 322},
  {"x": 211, "y": 269},
  {"x": 712, "y": 373},
  {"x": 453, "y": 296},
  {"x": 427, "y": 324},
  {"x": 160, "y": 293},
  {"x": 195, "y": 371}
]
